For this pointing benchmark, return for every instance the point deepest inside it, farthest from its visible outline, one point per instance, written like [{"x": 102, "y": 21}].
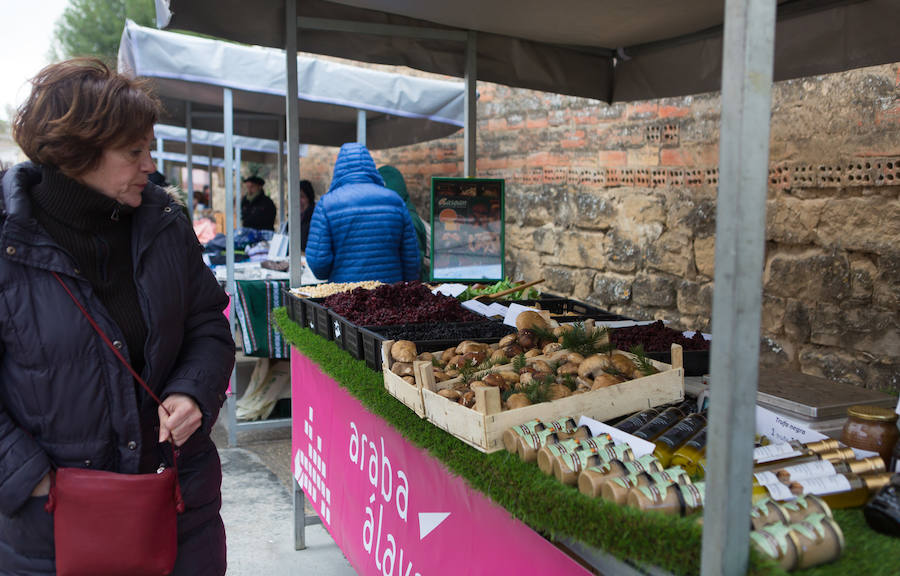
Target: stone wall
[{"x": 615, "y": 205}]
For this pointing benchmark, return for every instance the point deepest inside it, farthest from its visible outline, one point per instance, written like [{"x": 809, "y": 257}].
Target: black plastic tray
[
  {"x": 294, "y": 306},
  {"x": 567, "y": 310},
  {"x": 370, "y": 340},
  {"x": 696, "y": 362}
]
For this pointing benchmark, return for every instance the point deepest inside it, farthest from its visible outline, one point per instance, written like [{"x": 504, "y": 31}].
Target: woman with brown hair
[{"x": 82, "y": 213}]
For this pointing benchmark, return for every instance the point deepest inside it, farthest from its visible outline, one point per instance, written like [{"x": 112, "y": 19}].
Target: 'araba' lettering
[
  {"x": 389, "y": 556},
  {"x": 373, "y": 465},
  {"x": 402, "y": 491},
  {"x": 354, "y": 444},
  {"x": 387, "y": 481}
]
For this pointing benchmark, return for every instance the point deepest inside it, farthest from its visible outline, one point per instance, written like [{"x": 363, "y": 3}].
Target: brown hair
[{"x": 77, "y": 109}]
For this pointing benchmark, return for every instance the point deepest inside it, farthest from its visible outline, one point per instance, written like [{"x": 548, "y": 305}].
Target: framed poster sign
[{"x": 467, "y": 231}]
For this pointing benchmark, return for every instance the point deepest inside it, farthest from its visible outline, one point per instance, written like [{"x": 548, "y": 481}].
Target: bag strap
[{"x": 179, "y": 503}]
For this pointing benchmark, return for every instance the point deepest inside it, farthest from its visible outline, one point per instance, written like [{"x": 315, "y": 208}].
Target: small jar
[
  {"x": 872, "y": 428},
  {"x": 819, "y": 541},
  {"x": 767, "y": 512},
  {"x": 776, "y": 542}
]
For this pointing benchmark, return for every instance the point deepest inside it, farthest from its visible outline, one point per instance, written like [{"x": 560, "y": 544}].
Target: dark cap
[{"x": 255, "y": 180}]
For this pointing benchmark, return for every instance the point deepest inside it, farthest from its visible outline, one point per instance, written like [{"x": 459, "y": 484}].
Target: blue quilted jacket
[{"x": 361, "y": 230}]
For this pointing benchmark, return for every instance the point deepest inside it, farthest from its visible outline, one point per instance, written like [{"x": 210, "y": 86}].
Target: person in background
[
  {"x": 83, "y": 208},
  {"x": 257, "y": 209},
  {"x": 361, "y": 230},
  {"x": 307, "y": 207},
  {"x": 393, "y": 179}
]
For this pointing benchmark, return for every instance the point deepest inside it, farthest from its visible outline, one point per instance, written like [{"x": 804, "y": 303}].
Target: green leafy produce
[{"x": 506, "y": 284}]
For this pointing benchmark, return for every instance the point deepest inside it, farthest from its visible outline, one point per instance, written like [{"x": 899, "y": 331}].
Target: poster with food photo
[{"x": 467, "y": 232}]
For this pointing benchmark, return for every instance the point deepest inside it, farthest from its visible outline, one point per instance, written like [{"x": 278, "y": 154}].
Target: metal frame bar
[
  {"x": 396, "y": 30},
  {"x": 227, "y": 110},
  {"x": 471, "y": 104},
  {"x": 189, "y": 156},
  {"x": 361, "y": 127},
  {"x": 238, "y": 217},
  {"x": 282, "y": 204},
  {"x": 748, "y": 55},
  {"x": 292, "y": 112}
]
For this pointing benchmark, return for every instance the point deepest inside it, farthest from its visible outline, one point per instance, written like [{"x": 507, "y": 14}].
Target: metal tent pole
[
  {"x": 292, "y": 111},
  {"x": 737, "y": 297},
  {"x": 228, "y": 111},
  {"x": 237, "y": 188},
  {"x": 282, "y": 205},
  {"x": 471, "y": 103},
  {"x": 160, "y": 165},
  {"x": 361, "y": 127},
  {"x": 188, "y": 152}
]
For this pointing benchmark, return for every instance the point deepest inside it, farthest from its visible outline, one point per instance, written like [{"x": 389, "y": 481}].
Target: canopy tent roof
[
  {"x": 205, "y": 144},
  {"x": 399, "y": 109},
  {"x": 604, "y": 49}
]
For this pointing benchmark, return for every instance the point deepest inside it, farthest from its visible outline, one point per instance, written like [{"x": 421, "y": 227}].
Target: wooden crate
[
  {"x": 409, "y": 394},
  {"x": 483, "y": 426}
]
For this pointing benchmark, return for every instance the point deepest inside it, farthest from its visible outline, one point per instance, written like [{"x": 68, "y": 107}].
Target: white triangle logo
[{"x": 428, "y": 521}]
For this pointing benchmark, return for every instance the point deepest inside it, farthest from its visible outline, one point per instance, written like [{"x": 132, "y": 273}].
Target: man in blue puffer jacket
[{"x": 361, "y": 230}]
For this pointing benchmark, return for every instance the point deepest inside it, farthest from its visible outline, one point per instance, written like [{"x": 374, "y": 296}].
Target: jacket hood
[
  {"x": 354, "y": 165},
  {"x": 393, "y": 179}
]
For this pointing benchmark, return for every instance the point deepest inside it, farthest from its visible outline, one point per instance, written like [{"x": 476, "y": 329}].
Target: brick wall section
[{"x": 615, "y": 204}]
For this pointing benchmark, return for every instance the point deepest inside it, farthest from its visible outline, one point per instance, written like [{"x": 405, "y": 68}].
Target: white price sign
[{"x": 780, "y": 428}]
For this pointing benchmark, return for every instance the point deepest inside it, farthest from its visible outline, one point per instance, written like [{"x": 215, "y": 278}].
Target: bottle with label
[
  {"x": 820, "y": 468},
  {"x": 838, "y": 455},
  {"x": 838, "y": 491},
  {"x": 678, "y": 499},
  {"x": 655, "y": 428},
  {"x": 617, "y": 489},
  {"x": 689, "y": 455},
  {"x": 567, "y": 467},
  {"x": 550, "y": 452},
  {"x": 591, "y": 479},
  {"x": 634, "y": 422},
  {"x": 792, "y": 449},
  {"x": 511, "y": 435},
  {"x": 528, "y": 446},
  {"x": 676, "y": 436}
]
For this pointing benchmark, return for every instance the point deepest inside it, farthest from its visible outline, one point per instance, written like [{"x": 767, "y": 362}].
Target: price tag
[
  {"x": 453, "y": 290},
  {"x": 497, "y": 309},
  {"x": 784, "y": 429},
  {"x": 513, "y": 313},
  {"x": 477, "y": 307}
]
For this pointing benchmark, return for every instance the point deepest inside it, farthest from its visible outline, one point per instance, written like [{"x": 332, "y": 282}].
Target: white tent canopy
[
  {"x": 399, "y": 109},
  {"x": 207, "y": 144}
]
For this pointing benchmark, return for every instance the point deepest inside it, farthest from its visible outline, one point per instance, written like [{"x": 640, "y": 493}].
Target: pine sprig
[
  {"x": 641, "y": 362},
  {"x": 585, "y": 342}
]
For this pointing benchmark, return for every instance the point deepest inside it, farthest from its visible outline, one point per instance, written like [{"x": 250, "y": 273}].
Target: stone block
[
  {"x": 672, "y": 253},
  {"x": 796, "y": 320},
  {"x": 559, "y": 280},
  {"x": 622, "y": 255},
  {"x": 886, "y": 291},
  {"x": 546, "y": 239},
  {"x": 705, "y": 256},
  {"x": 519, "y": 237},
  {"x": 597, "y": 211},
  {"x": 653, "y": 291},
  {"x": 791, "y": 220},
  {"x": 611, "y": 290},
  {"x": 693, "y": 213},
  {"x": 581, "y": 249},
  {"x": 773, "y": 310},
  {"x": 695, "y": 298},
  {"x": 811, "y": 275},
  {"x": 834, "y": 364},
  {"x": 863, "y": 272},
  {"x": 775, "y": 352},
  {"x": 867, "y": 329},
  {"x": 849, "y": 223}
]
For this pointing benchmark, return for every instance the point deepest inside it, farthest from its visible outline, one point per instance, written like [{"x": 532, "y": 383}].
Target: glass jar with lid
[{"x": 872, "y": 428}]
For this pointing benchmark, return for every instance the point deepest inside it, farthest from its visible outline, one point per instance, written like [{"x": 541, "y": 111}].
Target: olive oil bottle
[
  {"x": 792, "y": 449},
  {"x": 656, "y": 427},
  {"x": 838, "y": 491},
  {"x": 673, "y": 438},
  {"x": 690, "y": 454}
]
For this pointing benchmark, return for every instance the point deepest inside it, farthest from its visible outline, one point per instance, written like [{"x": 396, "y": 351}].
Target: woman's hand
[
  {"x": 183, "y": 419},
  {"x": 43, "y": 487}
]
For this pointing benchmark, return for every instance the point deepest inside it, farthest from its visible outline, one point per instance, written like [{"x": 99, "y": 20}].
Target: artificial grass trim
[{"x": 541, "y": 502}]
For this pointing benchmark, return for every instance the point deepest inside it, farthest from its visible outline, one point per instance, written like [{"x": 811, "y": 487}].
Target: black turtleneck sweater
[{"x": 96, "y": 231}]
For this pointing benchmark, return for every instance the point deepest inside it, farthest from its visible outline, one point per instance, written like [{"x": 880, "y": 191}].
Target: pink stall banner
[{"x": 389, "y": 505}]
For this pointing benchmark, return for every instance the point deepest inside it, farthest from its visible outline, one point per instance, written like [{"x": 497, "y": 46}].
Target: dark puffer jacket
[
  {"x": 361, "y": 230},
  {"x": 65, "y": 400}
]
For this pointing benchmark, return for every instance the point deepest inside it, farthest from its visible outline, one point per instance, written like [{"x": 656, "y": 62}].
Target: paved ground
[{"x": 258, "y": 513}]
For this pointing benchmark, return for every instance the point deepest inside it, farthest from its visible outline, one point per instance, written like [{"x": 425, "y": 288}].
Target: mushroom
[
  {"x": 440, "y": 375},
  {"x": 623, "y": 364},
  {"x": 593, "y": 366},
  {"x": 495, "y": 380},
  {"x": 562, "y": 329},
  {"x": 509, "y": 377},
  {"x": 450, "y": 394},
  {"x": 475, "y": 358},
  {"x": 467, "y": 399},
  {"x": 467, "y": 347},
  {"x": 551, "y": 348},
  {"x": 448, "y": 354},
  {"x": 604, "y": 380},
  {"x": 409, "y": 380},
  {"x": 533, "y": 352},
  {"x": 529, "y": 320},
  {"x": 478, "y": 384},
  {"x": 567, "y": 368},
  {"x": 525, "y": 379},
  {"x": 512, "y": 350},
  {"x": 582, "y": 384},
  {"x": 517, "y": 400},
  {"x": 557, "y": 391},
  {"x": 528, "y": 339},
  {"x": 402, "y": 368},
  {"x": 403, "y": 351},
  {"x": 539, "y": 365},
  {"x": 425, "y": 357},
  {"x": 499, "y": 357},
  {"x": 507, "y": 340}
]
